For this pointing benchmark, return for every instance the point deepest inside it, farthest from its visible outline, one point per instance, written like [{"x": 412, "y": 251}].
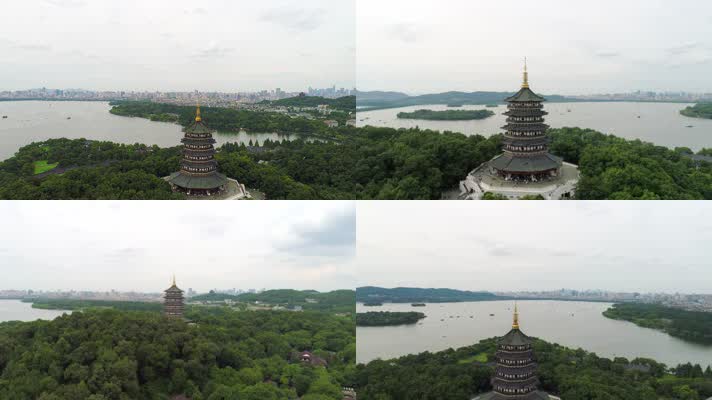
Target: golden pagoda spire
[
  {"x": 197, "y": 114},
  {"x": 525, "y": 84},
  {"x": 174, "y": 275},
  {"x": 515, "y": 324}
]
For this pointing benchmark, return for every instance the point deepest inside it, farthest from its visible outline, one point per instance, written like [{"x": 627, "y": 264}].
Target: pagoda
[
  {"x": 515, "y": 376},
  {"x": 198, "y": 175},
  {"x": 526, "y": 147},
  {"x": 526, "y": 169},
  {"x": 173, "y": 301}
]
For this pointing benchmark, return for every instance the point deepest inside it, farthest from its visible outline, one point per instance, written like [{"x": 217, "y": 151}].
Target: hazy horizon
[
  {"x": 139, "y": 246},
  {"x": 494, "y": 291},
  {"x": 424, "y": 46},
  {"x": 536, "y": 246},
  {"x": 212, "y": 45}
]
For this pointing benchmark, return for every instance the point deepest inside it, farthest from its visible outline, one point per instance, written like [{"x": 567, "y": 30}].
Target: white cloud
[{"x": 138, "y": 245}]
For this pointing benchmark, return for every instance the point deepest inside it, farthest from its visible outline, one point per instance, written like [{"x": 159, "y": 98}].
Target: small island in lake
[
  {"x": 418, "y": 305},
  {"x": 372, "y": 304},
  {"x": 388, "y": 318},
  {"x": 448, "y": 115},
  {"x": 701, "y": 110}
]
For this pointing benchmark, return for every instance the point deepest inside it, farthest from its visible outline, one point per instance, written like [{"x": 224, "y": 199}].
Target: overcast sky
[
  {"x": 139, "y": 245},
  {"x": 181, "y": 45},
  {"x": 574, "y": 47},
  {"x": 512, "y": 246}
]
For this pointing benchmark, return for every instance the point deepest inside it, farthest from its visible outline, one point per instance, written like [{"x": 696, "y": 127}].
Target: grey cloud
[
  {"x": 33, "y": 47},
  {"x": 126, "y": 255},
  {"x": 408, "y": 33},
  {"x": 213, "y": 51},
  {"x": 66, "y": 3},
  {"x": 608, "y": 54},
  {"x": 500, "y": 251},
  {"x": 336, "y": 236},
  {"x": 683, "y": 48},
  {"x": 294, "y": 19}
]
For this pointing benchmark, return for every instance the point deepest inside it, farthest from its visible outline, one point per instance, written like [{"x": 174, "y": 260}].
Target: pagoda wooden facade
[
  {"x": 526, "y": 147},
  {"x": 515, "y": 376},
  {"x": 198, "y": 175},
  {"x": 173, "y": 305}
]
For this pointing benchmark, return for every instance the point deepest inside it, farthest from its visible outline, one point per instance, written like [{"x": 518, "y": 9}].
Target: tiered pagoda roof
[
  {"x": 173, "y": 301},
  {"x": 526, "y": 147},
  {"x": 198, "y": 168},
  {"x": 515, "y": 375}
]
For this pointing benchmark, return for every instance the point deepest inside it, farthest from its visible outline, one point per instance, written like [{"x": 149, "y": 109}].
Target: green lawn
[
  {"x": 42, "y": 166},
  {"x": 481, "y": 358}
]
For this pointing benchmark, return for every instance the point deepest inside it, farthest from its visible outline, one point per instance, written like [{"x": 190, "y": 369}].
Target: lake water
[
  {"x": 659, "y": 123},
  {"x": 15, "y": 310},
  {"x": 33, "y": 121},
  {"x": 571, "y": 324}
]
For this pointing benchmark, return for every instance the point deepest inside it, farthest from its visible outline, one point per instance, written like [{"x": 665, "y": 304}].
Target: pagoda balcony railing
[
  {"x": 199, "y": 170},
  {"x": 500, "y": 365},
  {"x": 527, "y": 154},
  {"x": 528, "y": 105},
  {"x": 198, "y": 142},
  {"x": 526, "y": 126},
  {"x": 522, "y": 135},
  {"x": 516, "y": 378},
  {"x": 199, "y": 159},
  {"x": 192, "y": 146},
  {"x": 515, "y": 149},
  {"x": 525, "y": 120},
  {"x": 198, "y": 173},
  {"x": 525, "y": 112},
  {"x": 526, "y": 140},
  {"x": 198, "y": 135},
  {"x": 506, "y": 390}
]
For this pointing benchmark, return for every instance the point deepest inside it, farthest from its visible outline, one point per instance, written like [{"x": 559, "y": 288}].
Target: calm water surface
[
  {"x": 659, "y": 123},
  {"x": 15, "y": 310},
  {"x": 571, "y": 324},
  {"x": 33, "y": 121}
]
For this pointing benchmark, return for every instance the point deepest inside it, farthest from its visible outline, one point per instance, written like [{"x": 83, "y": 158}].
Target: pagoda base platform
[
  {"x": 538, "y": 395},
  {"x": 482, "y": 180},
  {"x": 234, "y": 190}
]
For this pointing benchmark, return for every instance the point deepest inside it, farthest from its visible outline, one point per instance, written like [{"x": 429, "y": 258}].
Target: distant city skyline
[
  {"x": 609, "y": 46},
  {"x": 646, "y": 247},
  {"x": 213, "y": 45},
  {"x": 137, "y": 246}
]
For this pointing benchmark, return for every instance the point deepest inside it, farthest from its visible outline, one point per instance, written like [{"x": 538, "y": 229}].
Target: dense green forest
[
  {"x": 225, "y": 119},
  {"x": 220, "y": 355},
  {"x": 213, "y": 296},
  {"x": 71, "y": 304},
  {"x": 388, "y": 318},
  {"x": 416, "y": 295},
  {"x": 447, "y": 115},
  {"x": 347, "y": 103},
  {"x": 689, "y": 325},
  {"x": 571, "y": 374},
  {"x": 701, "y": 110},
  {"x": 366, "y": 163}
]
